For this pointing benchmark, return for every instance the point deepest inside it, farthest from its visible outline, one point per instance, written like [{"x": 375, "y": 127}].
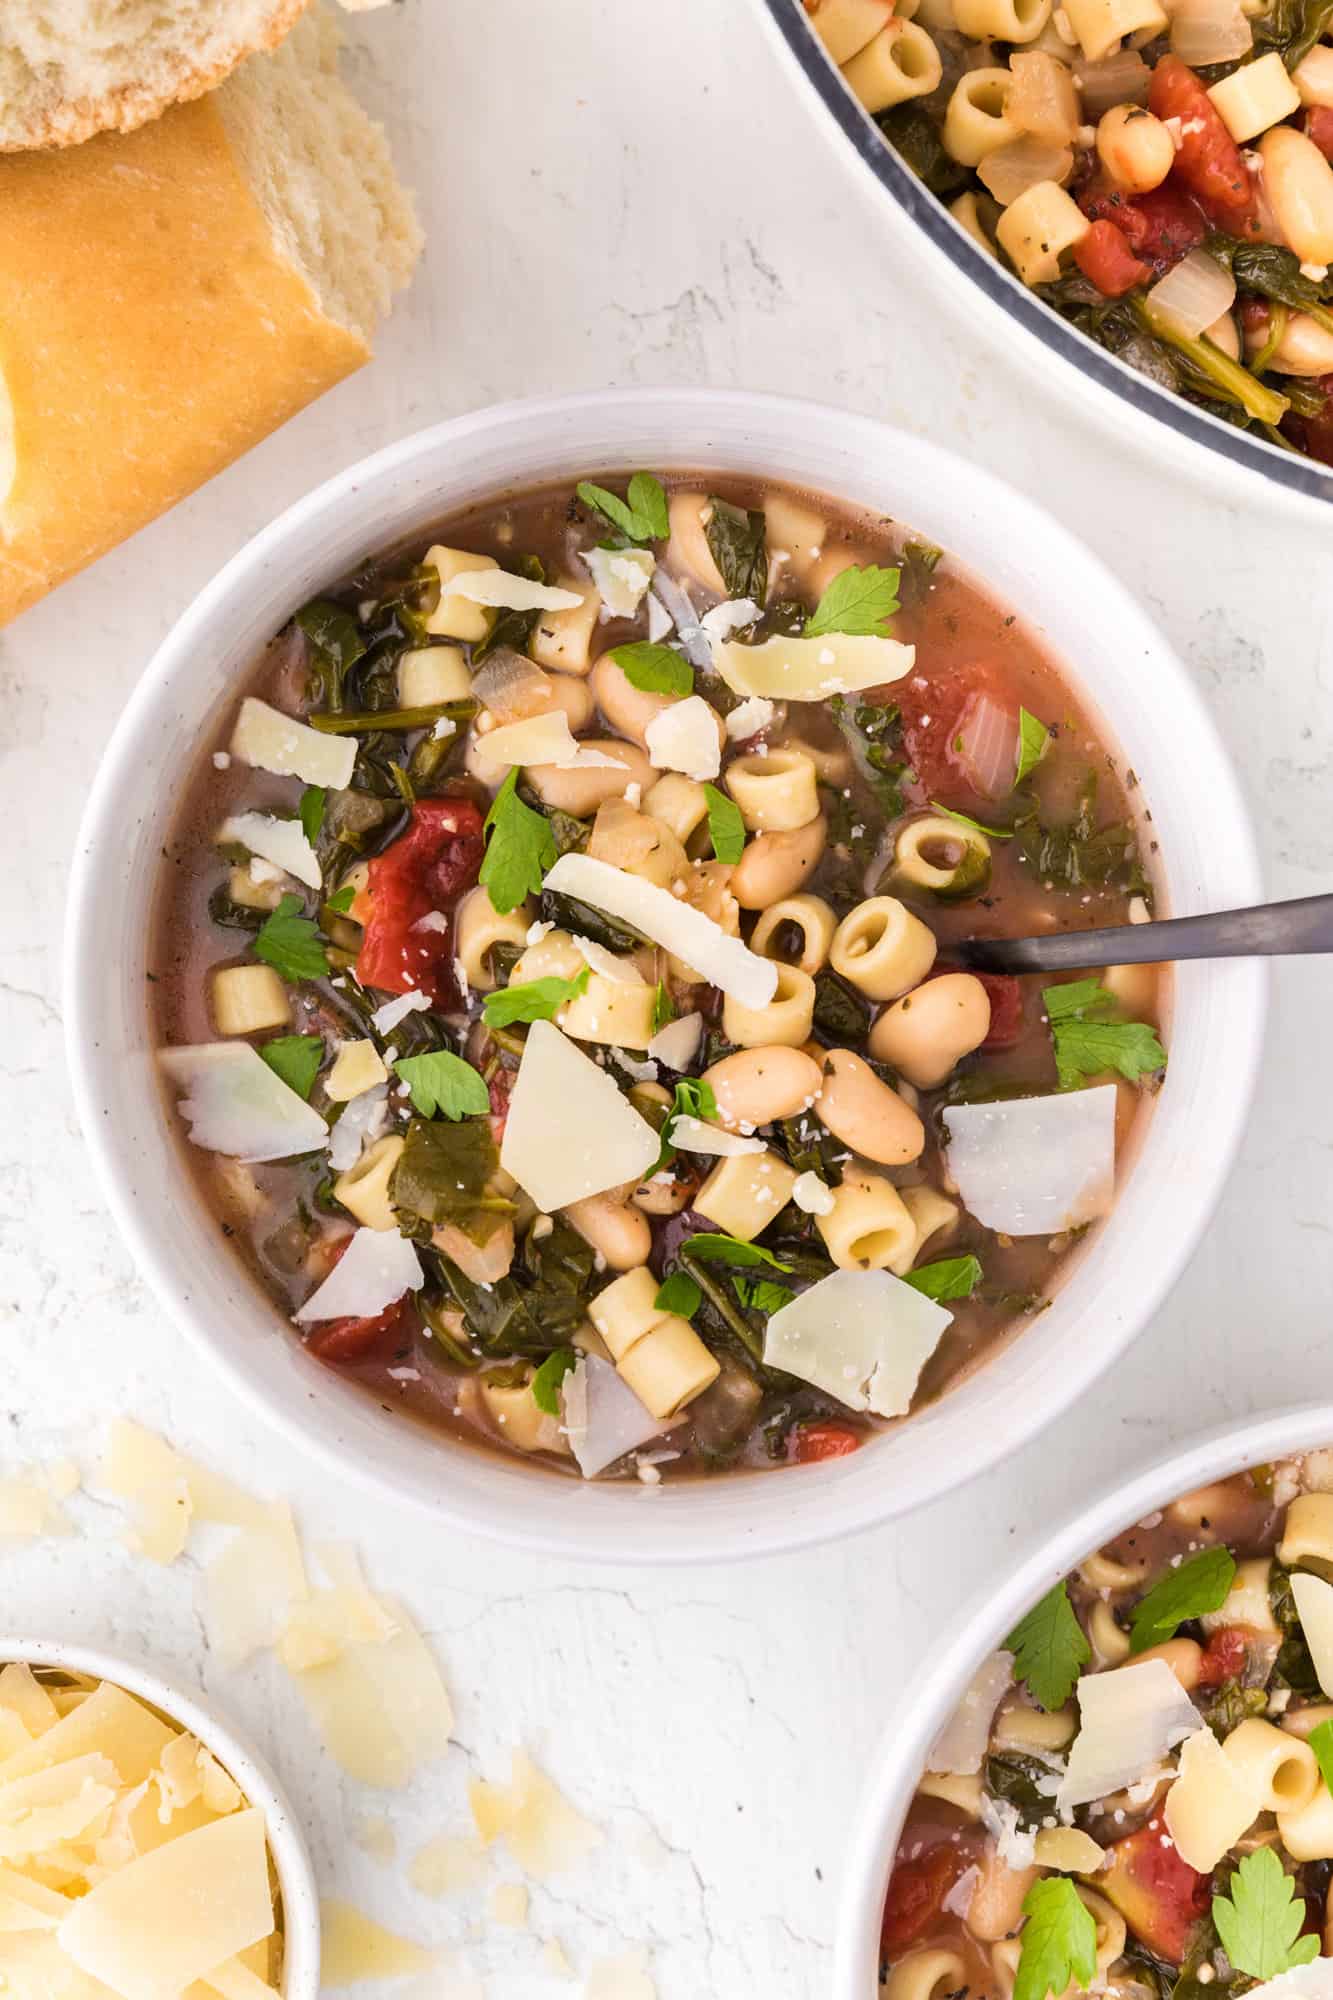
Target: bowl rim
[
  {"x": 1288, "y": 477},
  {"x": 917, "y": 1717},
  {"x": 253, "y": 1773},
  {"x": 622, "y": 1533}
]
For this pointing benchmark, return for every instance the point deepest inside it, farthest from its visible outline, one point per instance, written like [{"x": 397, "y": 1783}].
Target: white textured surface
[{"x": 618, "y": 192}]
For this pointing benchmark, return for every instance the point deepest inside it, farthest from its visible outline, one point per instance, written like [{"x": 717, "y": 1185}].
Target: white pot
[
  {"x": 981, "y": 1626},
  {"x": 1115, "y": 658},
  {"x": 296, "y": 1875},
  {"x": 1057, "y": 358}
]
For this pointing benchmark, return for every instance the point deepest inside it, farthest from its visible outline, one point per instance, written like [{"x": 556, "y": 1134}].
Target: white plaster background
[{"x": 618, "y": 191}]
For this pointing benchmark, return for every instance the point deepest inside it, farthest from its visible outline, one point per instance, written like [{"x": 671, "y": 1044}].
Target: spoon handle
[{"x": 1267, "y": 931}]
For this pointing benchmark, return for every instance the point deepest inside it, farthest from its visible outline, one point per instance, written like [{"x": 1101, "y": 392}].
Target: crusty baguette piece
[
  {"x": 169, "y": 297},
  {"x": 70, "y": 68}
]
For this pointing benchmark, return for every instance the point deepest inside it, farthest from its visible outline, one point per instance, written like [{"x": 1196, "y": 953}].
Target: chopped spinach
[
  {"x": 1081, "y": 853},
  {"x": 916, "y": 133},
  {"x": 1018, "y": 1780},
  {"x": 442, "y": 1173},
  {"x": 738, "y": 544},
  {"x": 842, "y": 1015},
  {"x": 335, "y": 644},
  {"x": 582, "y": 918}
]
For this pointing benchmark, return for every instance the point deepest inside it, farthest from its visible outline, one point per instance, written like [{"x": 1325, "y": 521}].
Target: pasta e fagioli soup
[
  {"x": 553, "y": 973},
  {"x": 1133, "y": 1796}
]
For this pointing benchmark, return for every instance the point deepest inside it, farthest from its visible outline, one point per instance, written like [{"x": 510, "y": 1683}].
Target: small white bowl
[
  {"x": 981, "y": 1626},
  {"x": 286, "y": 1842},
  {"x": 1111, "y": 653}
]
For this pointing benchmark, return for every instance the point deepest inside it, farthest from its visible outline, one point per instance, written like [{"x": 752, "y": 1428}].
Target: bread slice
[
  {"x": 70, "y": 68},
  {"x": 170, "y": 296}
]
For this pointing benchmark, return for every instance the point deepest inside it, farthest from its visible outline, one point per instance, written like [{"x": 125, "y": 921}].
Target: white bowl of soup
[
  {"x": 157, "y": 1845},
  {"x": 1013, "y": 1775},
  {"x": 551, "y": 915}
]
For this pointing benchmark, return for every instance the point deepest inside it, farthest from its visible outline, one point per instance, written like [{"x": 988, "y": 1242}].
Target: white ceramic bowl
[
  {"x": 1054, "y": 354},
  {"x": 1112, "y": 653},
  {"x": 296, "y": 1875},
  {"x": 980, "y": 1628}
]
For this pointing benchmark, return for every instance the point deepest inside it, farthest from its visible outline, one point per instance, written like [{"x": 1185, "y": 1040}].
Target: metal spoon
[{"x": 1271, "y": 930}]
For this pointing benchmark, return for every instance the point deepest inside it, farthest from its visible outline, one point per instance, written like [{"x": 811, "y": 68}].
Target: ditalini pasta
[
  {"x": 1135, "y": 1794},
  {"x": 554, "y": 971},
  {"x": 1160, "y": 174}
]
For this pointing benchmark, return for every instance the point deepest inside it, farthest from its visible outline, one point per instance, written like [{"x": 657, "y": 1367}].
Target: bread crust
[
  {"x": 150, "y": 333},
  {"x": 75, "y": 119}
]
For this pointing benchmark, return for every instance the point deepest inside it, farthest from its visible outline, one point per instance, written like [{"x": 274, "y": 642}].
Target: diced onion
[
  {"x": 1118, "y": 79},
  {"x": 1042, "y": 100},
  {"x": 510, "y": 686},
  {"x": 988, "y": 744},
  {"x": 961, "y": 1744},
  {"x": 1011, "y": 170},
  {"x": 1197, "y": 292},
  {"x": 694, "y": 641},
  {"x": 1210, "y": 31}
]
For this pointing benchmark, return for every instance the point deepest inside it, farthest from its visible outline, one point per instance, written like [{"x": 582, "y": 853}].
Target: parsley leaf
[
  {"x": 693, "y": 1098},
  {"x": 859, "y": 602},
  {"x": 977, "y": 825},
  {"x": 1197, "y": 1585},
  {"x": 1059, "y": 1940},
  {"x": 532, "y": 1000},
  {"x": 726, "y": 828},
  {"x": 730, "y": 1250},
  {"x": 1086, "y": 1043},
  {"x": 545, "y": 1384},
  {"x": 1033, "y": 737},
  {"x": 311, "y": 810},
  {"x": 520, "y": 848},
  {"x": 763, "y": 1295},
  {"x": 654, "y": 669},
  {"x": 343, "y": 900},
  {"x": 951, "y": 1278},
  {"x": 1259, "y": 1923},
  {"x": 1049, "y": 1647},
  {"x": 441, "y": 1082},
  {"x": 678, "y": 1293},
  {"x": 663, "y": 1009},
  {"x": 642, "y": 515},
  {"x": 1320, "y": 1741},
  {"x": 291, "y": 943},
  {"x": 296, "y": 1059}
]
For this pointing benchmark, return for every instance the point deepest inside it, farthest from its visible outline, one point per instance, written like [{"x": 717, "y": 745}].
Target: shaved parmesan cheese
[
  {"x": 363, "y": 1120},
  {"x": 23, "y": 1694},
  {"x": 558, "y": 1160},
  {"x": 811, "y": 669},
  {"x": 143, "y": 1468},
  {"x": 623, "y": 1978},
  {"x": 109, "y": 1724},
  {"x": 863, "y": 1336},
  {"x": 537, "y": 739},
  {"x": 448, "y": 1865},
  {"x": 684, "y": 738},
  {"x": 958, "y": 1900},
  {"x": 386, "y": 1018},
  {"x": 1304, "y": 1982},
  {"x": 733, "y": 615},
  {"x": 265, "y": 737},
  {"x": 962, "y": 1743},
  {"x": 214, "y": 1883},
  {"x": 541, "y": 1829},
  {"x": 1212, "y": 1803},
  {"x": 353, "y": 1947},
  {"x": 503, "y": 592},
  {"x": 236, "y": 1104},
  {"x": 382, "y": 1744},
  {"x": 240, "y": 1620},
  {"x": 1034, "y": 1166},
  {"x": 1015, "y": 1846},
  {"x": 691, "y": 1135},
  {"x": 376, "y": 1268},
  {"x": 509, "y": 1905},
  {"x": 658, "y": 915},
  {"x": 233, "y": 1979},
  {"x": 603, "y": 1418},
  {"x": 1130, "y": 1717},
  {"x": 622, "y": 577},
  {"x": 750, "y": 718},
  {"x": 1314, "y": 1606},
  {"x": 812, "y": 1194},
  {"x": 28, "y": 1905},
  {"x": 660, "y": 621},
  {"x": 677, "y": 1043},
  {"x": 281, "y": 841},
  {"x": 623, "y": 970},
  {"x": 28, "y": 1509}
]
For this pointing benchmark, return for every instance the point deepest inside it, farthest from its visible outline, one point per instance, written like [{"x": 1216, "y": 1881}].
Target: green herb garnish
[
  {"x": 443, "y": 1084},
  {"x": 1086, "y": 1042},
  {"x": 763, "y": 1295},
  {"x": 291, "y": 943},
  {"x": 1059, "y": 1940},
  {"x": 1197, "y": 1585},
  {"x": 678, "y": 1293},
  {"x": 859, "y": 602},
  {"x": 296, "y": 1059},
  {"x": 1260, "y": 1922},
  {"x": 1033, "y": 737},
  {"x": 642, "y": 516},
  {"x": 726, "y": 828},
  {"x": 663, "y": 1009},
  {"x": 693, "y": 1098},
  {"x": 977, "y": 826},
  {"x": 950, "y": 1278},
  {"x": 520, "y": 848},
  {"x": 545, "y": 1384},
  {"x": 311, "y": 810},
  {"x": 533, "y": 1000},
  {"x": 1320, "y": 1741},
  {"x": 730, "y": 1250},
  {"x": 1049, "y": 1647},
  {"x": 654, "y": 669},
  {"x": 343, "y": 900}
]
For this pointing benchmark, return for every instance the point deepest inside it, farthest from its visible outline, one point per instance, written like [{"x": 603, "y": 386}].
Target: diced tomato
[
  {"x": 426, "y": 869},
  {"x": 917, "y": 1888},
  {"x": 1319, "y": 128},
  {"x": 1160, "y": 227},
  {"x": 1006, "y": 1009},
  {"x": 1223, "y": 1657},
  {"x": 1105, "y": 258},
  {"x": 1208, "y": 160},
  {"x": 809, "y": 1443},
  {"x": 344, "y": 1341},
  {"x": 500, "y": 1088},
  {"x": 934, "y": 713},
  {"x": 1160, "y": 1896}
]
